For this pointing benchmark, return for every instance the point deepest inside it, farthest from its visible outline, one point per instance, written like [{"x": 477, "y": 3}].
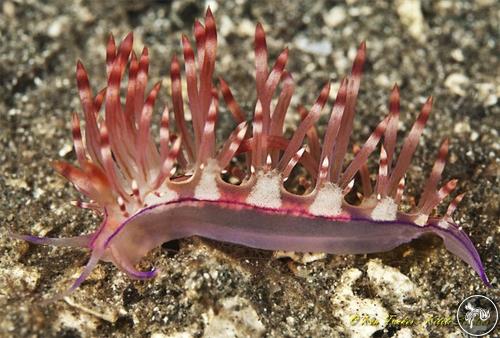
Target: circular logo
[{"x": 477, "y": 315}]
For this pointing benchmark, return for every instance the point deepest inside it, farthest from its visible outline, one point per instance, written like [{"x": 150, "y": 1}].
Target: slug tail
[{"x": 458, "y": 243}]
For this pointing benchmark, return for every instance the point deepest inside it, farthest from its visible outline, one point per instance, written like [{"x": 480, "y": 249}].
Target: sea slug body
[{"x": 149, "y": 194}]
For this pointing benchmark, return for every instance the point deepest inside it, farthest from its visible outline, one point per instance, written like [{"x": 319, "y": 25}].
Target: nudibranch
[{"x": 149, "y": 194}]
